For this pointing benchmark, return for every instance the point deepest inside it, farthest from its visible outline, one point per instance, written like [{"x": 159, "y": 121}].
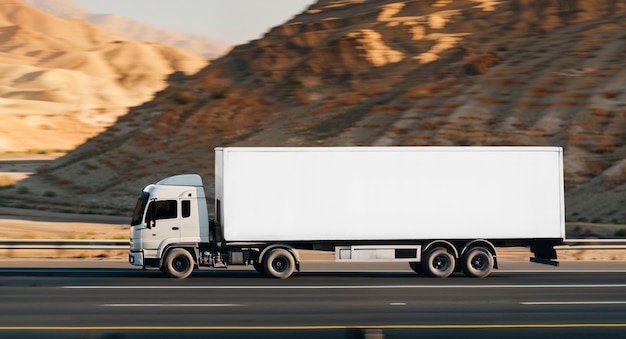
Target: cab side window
[
  {"x": 166, "y": 209},
  {"x": 186, "y": 208}
]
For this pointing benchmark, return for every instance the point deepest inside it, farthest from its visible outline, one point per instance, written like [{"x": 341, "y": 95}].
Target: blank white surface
[{"x": 389, "y": 193}]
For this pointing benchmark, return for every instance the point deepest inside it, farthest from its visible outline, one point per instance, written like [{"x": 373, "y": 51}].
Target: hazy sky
[{"x": 233, "y": 21}]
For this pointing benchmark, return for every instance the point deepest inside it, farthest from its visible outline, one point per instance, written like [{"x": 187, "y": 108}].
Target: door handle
[{"x": 175, "y": 228}]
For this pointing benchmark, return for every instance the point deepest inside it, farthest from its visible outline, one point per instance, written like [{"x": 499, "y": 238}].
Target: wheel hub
[
  {"x": 440, "y": 263},
  {"x": 279, "y": 265},
  {"x": 180, "y": 265},
  {"x": 478, "y": 263}
]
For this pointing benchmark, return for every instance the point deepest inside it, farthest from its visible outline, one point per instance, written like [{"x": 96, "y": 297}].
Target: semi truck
[{"x": 441, "y": 210}]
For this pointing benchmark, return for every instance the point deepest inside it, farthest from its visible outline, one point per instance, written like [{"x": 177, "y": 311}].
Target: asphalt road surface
[{"x": 99, "y": 299}]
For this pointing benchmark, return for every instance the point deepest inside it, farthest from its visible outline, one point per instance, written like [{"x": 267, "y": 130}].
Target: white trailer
[{"x": 440, "y": 209}]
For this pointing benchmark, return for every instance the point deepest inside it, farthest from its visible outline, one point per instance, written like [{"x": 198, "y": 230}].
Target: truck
[{"x": 440, "y": 209}]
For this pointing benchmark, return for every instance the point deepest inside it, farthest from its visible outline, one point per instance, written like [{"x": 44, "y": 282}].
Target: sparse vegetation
[
  {"x": 181, "y": 97},
  {"x": 218, "y": 95},
  {"x": 38, "y": 152},
  {"x": 620, "y": 233},
  {"x": 481, "y": 64},
  {"x": 90, "y": 167},
  {"x": 49, "y": 194},
  {"x": 490, "y": 100}
]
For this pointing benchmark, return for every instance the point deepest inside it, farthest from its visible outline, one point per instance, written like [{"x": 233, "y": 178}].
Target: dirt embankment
[{"x": 16, "y": 223}]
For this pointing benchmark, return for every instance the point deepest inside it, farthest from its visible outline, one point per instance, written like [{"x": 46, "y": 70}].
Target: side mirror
[{"x": 151, "y": 215}]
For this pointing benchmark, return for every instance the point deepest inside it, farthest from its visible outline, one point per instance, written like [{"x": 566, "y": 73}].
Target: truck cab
[{"x": 172, "y": 211}]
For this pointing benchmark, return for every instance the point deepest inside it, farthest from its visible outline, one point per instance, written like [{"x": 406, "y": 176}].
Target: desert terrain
[
  {"x": 209, "y": 47},
  {"x": 65, "y": 81},
  {"x": 346, "y": 73}
]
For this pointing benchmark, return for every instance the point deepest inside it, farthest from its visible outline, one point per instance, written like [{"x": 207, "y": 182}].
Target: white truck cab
[{"x": 171, "y": 212}]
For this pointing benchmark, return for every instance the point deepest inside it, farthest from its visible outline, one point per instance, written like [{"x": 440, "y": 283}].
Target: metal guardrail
[
  {"x": 49, "y": 244},
  {"x": 589, "y": 247},
  {"x": 596, "y": 241},
  {"x": 592, "y": 244},
  {"x": 92, "y": 244}
]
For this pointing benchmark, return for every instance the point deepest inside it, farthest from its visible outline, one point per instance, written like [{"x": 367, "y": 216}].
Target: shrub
[
  {"x": 49, "y": 194},
  {"x": 482, "y": 64},
  {"x": 181, "y": 98},
  {"x": 23, "y": 190},
  {"x": 620, "y": 233},
  {"x": 218, "y": 95}
]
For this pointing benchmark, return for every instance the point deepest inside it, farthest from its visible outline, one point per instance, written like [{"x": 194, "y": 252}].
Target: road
[{"x": 112, "y": 299}]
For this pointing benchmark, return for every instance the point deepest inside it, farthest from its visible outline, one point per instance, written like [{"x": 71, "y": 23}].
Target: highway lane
[{"x": 521, "y": 299}]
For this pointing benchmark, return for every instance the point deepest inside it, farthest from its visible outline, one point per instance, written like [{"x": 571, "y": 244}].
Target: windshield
[{"x": 140, "y": 208}]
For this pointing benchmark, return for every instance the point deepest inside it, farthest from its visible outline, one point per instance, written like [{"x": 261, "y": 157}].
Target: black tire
[
  {"x": 259, "y": 268},
  {"x": 178, "y": 263},
  {"x": 417, "y": 267},
  {"x": 439, "y": 263},
  {"x": 279, "y": 263},
  {"x": 477, "y": 262}
]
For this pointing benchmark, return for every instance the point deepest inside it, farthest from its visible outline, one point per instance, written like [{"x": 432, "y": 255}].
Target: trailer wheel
[
  {"x": 439, "y": 263},
  {"x": 178, "y": 263},
  {"x": 279, "y": 264},
  {"x": 477, "y": 262}
]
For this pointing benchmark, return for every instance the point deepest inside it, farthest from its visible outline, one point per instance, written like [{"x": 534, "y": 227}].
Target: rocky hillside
[
  {"x": 133, "y": 29},
  {"x": 64, "y": 81},
  {"x": 472, "y": 72}
]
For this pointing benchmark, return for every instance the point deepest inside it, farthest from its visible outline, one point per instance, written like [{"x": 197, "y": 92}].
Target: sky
[{"x": 232, "y": 21}]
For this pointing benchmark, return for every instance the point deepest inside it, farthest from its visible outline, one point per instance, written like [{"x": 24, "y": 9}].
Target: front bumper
[{"x": 135, "y": 258}]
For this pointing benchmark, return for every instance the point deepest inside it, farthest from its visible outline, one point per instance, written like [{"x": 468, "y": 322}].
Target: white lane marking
[
  {"x": 610, "y": 302},
  {"x": 330, "y": 287},
  {"x": 170, "y": 305},
  {"x": 397, "y": 304}
]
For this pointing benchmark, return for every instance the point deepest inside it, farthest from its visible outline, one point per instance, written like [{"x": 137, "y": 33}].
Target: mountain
[
  {"x": 64, "y": 81},
  {"x": 353, "y": 72},
  {"x": 133, "y": 29}
]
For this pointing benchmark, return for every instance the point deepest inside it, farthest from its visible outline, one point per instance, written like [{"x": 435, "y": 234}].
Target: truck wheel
[
  {"x": 477, "y": 262},
  {"x": 259, "y": 268},
  {"x": 417, "y": 267},
  {"x": 279, "y": 263},
  {"x": 439, "y": 263},
  {"x": 178, "y": 263}
]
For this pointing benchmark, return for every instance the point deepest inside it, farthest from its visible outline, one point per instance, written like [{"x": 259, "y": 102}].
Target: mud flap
[{"x": 544, "y": 253}]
